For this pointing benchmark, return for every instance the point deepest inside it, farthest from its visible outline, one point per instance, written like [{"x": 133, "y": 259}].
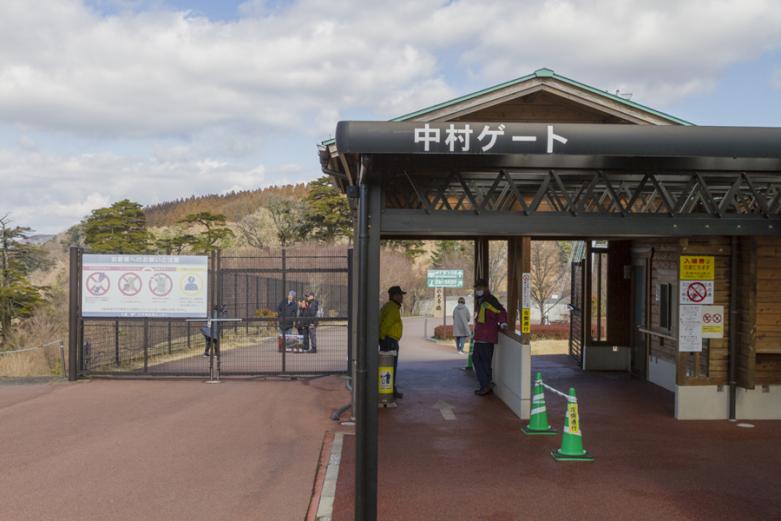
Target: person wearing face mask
[
  {"x": 460, "y": 324},
  {"x": 490, "y": 317}
]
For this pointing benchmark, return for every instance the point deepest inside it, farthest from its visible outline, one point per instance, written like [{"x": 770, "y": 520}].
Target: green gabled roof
[{"x": 540, "y": 73}]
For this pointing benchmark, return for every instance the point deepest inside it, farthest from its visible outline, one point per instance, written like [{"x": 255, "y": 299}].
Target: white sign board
[
  {"x": 526, "y": 290},
  {"x": 144, "y": 286},
  {"x": 697, "y": 292},
  {"x": 712, "y": 321},
  {"x": 445, "y": 278},
  {"x": 690, "y": 329}
]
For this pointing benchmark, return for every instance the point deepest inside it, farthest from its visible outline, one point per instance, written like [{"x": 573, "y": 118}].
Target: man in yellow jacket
[{"x": 391, "y": 329}]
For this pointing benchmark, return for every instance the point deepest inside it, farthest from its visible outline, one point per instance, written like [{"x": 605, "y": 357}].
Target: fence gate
[
  {"x": 576, "y": 331},
  {"x": 246, "y": 285}
]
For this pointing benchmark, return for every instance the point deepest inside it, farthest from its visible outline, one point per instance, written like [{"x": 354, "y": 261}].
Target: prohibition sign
[
  {"x": 160, "y": 284},
  {"x": 98, "y": 284},
  {"x": 130, "y": 284},
  {"x": 707, "y": 318},
  {"x": 696, "y": 292}
]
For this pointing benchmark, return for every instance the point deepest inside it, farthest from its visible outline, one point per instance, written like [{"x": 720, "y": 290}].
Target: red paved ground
[
  {"x": 162, "y": 450},
  {"x": 481, "y": 467}
]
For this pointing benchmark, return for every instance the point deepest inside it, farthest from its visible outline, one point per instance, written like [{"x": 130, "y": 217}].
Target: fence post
[
  {"x": 349, "y": 311},
  {"x": 284, "y": 308},
  {"x": 169, "y": 337},
  {"x": 146, "y": 345},
  {"x": 62, "y": 359},
  {"x": 74, "y": 312},
  {"x": 116, "y": 343},
  {"x": 189, "y": 338}
]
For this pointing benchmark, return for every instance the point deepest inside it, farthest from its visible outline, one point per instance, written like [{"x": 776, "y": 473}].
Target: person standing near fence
[
  {"x": 309, "y": 314},
  {"x": 287, "y": 311},
  {"x": 391, "y": 330},
  {"x": 460, "y": 324},
  {"x": 490, "y": 318}
]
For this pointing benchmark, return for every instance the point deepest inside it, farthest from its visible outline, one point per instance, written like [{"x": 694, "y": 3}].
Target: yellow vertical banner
[{"x": 526, "y": 320}]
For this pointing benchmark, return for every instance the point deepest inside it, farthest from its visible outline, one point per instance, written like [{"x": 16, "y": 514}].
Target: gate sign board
[
  {"x": 697, "y": 267},
  {"x": 690, "y": 329},
  {"x": 712, "y": 321},
  {"x": 144, "y": 286},
  {"x": 445, "y": 278},
  {"x": 697, "y": 292}
]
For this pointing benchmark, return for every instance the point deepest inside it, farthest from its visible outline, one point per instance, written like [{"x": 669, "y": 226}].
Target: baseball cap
[{"x": 396, "y": 290}]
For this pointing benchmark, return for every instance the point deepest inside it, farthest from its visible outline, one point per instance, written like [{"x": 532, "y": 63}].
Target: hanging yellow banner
[{"x": 697, "y": 267}]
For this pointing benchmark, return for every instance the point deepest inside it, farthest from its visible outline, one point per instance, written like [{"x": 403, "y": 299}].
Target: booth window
[
  {"x": 599, "y": 295},
  {"x": 666, "y": 306}
]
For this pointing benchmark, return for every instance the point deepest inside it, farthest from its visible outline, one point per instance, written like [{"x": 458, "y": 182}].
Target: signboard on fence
[
  {"x": 160, "y": 286},
  {"x": 445, "y": 278}
]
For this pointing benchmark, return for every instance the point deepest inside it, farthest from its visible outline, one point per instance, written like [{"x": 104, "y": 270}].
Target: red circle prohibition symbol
[
  {"x": 717, "y": 318},
  {"x": 160, "y": 284},
  {"x": 696, "y": 292},
  {"x": 98, "y": 283},
  {"x": 130, "y": 284},
  {"x": 706, "y": 318}
]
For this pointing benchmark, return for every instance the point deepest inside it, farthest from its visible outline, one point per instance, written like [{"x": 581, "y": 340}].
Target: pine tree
[
  {"x": 18, "y": 296},
  {"x": 213, "y": 235},
  {"x": 327, "y": 215},
  {"x": 120, "y": 228}
]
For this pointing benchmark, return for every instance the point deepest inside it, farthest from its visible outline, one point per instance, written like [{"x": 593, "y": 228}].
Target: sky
[{"x": 154, "y": 100}]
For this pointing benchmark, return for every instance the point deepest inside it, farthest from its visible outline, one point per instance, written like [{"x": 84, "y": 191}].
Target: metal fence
[{"x": 247, "y": 285}]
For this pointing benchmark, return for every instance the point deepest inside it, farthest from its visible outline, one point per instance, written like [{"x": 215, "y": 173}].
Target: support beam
[
  {"x": 417, "y": 223},
  {"x": 367, "y": 418}
]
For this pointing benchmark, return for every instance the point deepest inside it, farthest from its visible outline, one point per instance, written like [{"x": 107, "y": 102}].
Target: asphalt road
[{"x": 162, "y": 450}]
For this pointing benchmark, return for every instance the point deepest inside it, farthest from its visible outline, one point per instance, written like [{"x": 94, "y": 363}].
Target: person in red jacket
[{"x": 490, "y": 317}]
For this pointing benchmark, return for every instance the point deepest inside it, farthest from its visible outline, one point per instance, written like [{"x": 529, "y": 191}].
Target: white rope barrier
[{"x": 556, "y": 391}]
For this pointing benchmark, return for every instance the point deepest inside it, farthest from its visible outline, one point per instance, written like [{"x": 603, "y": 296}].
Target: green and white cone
[
  {"x": 572, "y": 438},
  {"x": 538, "y": 422}
]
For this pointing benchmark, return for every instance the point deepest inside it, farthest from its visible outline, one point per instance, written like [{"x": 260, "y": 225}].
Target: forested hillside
[{"x": 233, "y": 205}]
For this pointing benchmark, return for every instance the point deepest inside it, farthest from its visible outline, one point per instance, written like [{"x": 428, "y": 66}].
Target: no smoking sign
[{"x": 696, "y": 292}]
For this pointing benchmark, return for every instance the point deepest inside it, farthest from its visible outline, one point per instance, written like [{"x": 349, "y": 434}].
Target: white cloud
[
  {"x": 50, "y": 192},
  {"x": 163, "y": 73},
  {"x": 202, "y": 97}
]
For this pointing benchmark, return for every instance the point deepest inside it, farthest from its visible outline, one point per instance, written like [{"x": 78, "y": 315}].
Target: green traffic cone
[
  {"x": 572, "y": 439},
  {"x": 538, "y": 422}
]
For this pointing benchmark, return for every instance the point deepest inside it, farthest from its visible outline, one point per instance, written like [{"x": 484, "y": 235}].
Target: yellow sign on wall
[
  {"x": 697, "y": 267},
  {"x": 526, "y": 320}
]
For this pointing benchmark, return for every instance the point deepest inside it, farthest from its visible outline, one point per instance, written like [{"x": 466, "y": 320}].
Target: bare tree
[
  {"x": 549, "y": 275},
  {"x": 399, "y": 270},
  {"x": 258, "y": 229}
]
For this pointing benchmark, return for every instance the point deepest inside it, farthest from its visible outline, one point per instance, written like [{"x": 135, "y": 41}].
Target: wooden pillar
[
  {"x": 518, "y": 263},
  {"x": 481, "y": 259}
]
